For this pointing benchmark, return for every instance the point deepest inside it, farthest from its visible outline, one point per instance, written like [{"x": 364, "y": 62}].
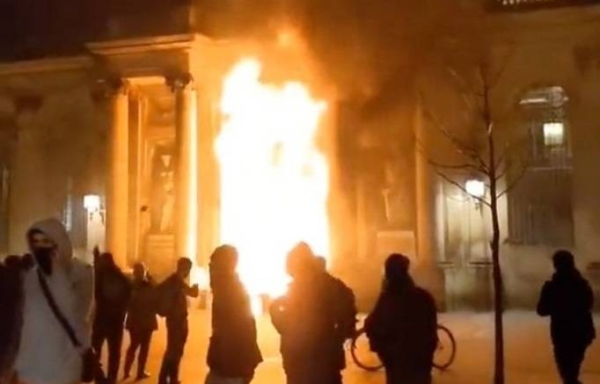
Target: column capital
[
  {"x": 111, "y": 86},
  {"x": 179, "y": 81}
]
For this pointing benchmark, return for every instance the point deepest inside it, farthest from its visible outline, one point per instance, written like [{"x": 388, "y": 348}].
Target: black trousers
[
  {"x": 140, "y": 340},
  {"x": 407, "y": 372},
  {"x": 177, "y": 333},
  {"x": 313, "y": 376},
  {"x": 112, "y": 334},
  {"x": 397, "y": 376},
  {"x": 569, "y": 358}
]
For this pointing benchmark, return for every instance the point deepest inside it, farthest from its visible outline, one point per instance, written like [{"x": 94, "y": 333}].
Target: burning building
[{"x": 161, "y": 129}]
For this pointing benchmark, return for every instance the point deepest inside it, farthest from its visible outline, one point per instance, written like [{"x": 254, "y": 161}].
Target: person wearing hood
[
  {"x": 233, "y": 352},
  {"x": 113, "y": 292},
  {"x": 568, "y": 299},
  {"x": 46, "y": 353},
  {"x": 402, "y": 329}
]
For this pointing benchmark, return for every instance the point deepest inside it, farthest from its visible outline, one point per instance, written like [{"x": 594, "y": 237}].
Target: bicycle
[{"x": 366, "y": 359}]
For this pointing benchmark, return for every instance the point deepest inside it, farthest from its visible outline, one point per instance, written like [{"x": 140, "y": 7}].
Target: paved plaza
[{"x": 529, "y": 357}]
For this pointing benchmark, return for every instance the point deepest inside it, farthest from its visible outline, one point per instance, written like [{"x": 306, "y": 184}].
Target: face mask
[{"x": 43, "y": 256}]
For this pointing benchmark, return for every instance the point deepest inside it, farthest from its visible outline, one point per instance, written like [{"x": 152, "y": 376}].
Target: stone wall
[
  {"x": 60, "y": 135},
  {"x": 547, "y": 48}
]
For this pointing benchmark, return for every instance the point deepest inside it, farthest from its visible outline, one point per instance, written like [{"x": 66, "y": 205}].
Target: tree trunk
[
  {"x": 495, "y": 245},
  {"x": 498, "y": 297}
]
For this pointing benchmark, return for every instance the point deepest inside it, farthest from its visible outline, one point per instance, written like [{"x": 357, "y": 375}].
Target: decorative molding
[
  {"x": 127, "y": 46},
  {"x": 46, "y": 65},
  {"x": 179, "y": 81},
  {"x": 530, "y": 5},
  {"x": 110, "y": 86}
]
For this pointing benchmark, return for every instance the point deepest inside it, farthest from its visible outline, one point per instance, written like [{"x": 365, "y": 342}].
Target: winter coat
[
  {"x": 233, "y": 350},
  {"x": 307, "y": 319},
  {"x": 141, "y": 315},
  {"x": 568, "y": 300},
  {"x": 46, "y": 355},
  {"x": 11, "y": 301},
  {"x": 402, "y": 328},
  {"x": 113, "y": 293},
  {"x": 172, "y": 300}
]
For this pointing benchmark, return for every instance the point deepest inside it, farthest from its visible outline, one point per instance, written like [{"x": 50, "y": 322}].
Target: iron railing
[{"x": 525, "y": 5}]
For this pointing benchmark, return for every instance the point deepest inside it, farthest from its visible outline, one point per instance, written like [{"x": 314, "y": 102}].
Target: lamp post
[
  {"x": 95, "y": 225},
  {"x": 475, "y": 188}
]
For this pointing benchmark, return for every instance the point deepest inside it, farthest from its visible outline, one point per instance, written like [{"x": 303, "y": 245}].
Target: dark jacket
[
  {"x": 113, "y": 292},
  {"x": 568, "y": 300},
  {"x": 402, "y": 328},
  {"x": 344, "y": 305},
  {"x": 141, "y": 315},
  {"x": 233, "y": 350},
  {"x": 11, "y": 303},
  {"x": 307, "y": 319},
  {"x": 172, "y": 300}
]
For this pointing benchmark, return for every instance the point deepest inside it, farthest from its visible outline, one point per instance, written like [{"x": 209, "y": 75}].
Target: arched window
[{"x": 540, "y": 206}]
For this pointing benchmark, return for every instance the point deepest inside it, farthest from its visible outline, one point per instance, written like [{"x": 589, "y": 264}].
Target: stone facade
[{"x": 134, "y": 91}]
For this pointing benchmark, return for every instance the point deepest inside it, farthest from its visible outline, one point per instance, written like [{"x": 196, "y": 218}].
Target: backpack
[
  {"x": 164, "y": 299},
  {"x": 345, "y": 305}
]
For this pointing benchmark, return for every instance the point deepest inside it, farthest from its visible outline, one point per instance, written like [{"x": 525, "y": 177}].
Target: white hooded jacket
[{"x": 46, "y": 354}]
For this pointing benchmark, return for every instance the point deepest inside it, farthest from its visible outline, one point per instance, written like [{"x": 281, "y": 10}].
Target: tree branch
[
  {"x": 514, "y": 182},
  {"x": 432, "y": 162},
  {"x": 458, "y": 145}
]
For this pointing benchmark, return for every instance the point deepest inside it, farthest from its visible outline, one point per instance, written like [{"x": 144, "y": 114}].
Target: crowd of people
[{"x": 46, "y": 298}]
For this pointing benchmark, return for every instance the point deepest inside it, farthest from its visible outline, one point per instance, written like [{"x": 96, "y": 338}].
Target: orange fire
[{"x": 274, "y": 179}]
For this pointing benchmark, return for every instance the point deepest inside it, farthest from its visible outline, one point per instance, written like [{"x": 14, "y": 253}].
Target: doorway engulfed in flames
[{"x": 274, "y": 178}]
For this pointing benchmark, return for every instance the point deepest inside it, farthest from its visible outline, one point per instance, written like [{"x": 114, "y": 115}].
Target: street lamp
[
  {"x": 475, "y": 188},
  {"x": 91, "y": 203}
]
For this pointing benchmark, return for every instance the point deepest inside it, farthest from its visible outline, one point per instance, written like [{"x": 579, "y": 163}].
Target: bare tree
[{"x": 487, "y": 149}]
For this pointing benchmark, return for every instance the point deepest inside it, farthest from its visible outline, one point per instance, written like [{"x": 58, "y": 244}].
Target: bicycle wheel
[
  {"x": 445, "y": 353},
  {"x": 362, "y": 354}
]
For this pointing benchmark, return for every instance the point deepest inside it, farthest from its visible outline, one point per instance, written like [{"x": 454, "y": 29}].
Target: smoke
[{"x": 366, "y": 48}]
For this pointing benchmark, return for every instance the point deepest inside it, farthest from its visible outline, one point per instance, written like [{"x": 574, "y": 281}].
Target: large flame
[{"x": 274, "y": 180}]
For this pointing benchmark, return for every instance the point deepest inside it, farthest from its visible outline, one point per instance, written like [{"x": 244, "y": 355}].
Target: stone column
[
  {"x": 117, "y": 183},
  {"x": 208, "y": 176},
  {"x": 427, "y": 269},
  {"x": 186, "y": 171}
]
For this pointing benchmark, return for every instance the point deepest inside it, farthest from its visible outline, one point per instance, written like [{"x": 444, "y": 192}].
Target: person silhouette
[
  {"x": 402, "y": 329},
  {"x": 233, "y": 352},
  {"x": 173, "y": 306},
  {"x": 308, "y": 321},
  {"x": 568, "y": 299}
]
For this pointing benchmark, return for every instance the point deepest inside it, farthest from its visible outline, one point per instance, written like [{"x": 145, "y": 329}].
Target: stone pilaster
[
  {"x": 117, "y": 181},
  {"x": 427, "y": 270},
  {"x": 186, "y": 171}
]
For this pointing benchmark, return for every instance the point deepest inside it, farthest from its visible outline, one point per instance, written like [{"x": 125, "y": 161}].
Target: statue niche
[{"x": 162, "y": 189}]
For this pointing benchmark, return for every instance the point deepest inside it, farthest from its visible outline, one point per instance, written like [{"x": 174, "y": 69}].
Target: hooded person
[
  {"x": 402, "y": 329},
  {"x": 46, "y": 353},
  {"x": 233, "y": 352}
]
